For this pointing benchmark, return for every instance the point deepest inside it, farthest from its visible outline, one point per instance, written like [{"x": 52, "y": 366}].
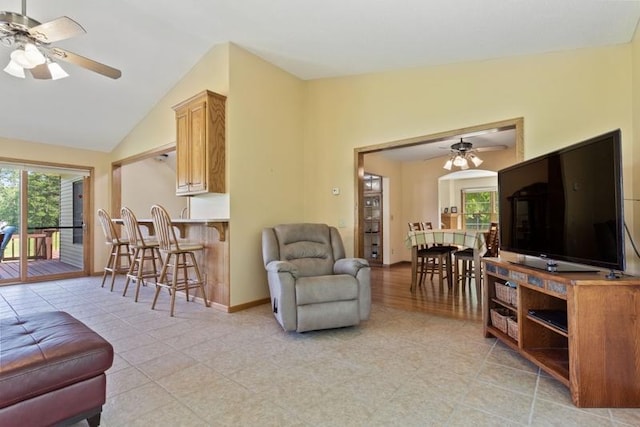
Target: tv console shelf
[{"x": 598, "y": 357}]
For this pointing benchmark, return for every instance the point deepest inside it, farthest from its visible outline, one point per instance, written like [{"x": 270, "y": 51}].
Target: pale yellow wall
[
  {"x": 150, "y": 182},
  {"x": 33, "y": 151},
  {"x": 563, "y": 98},
  {"x": 263, "y": 151},
  {"x": 265, "y": 130},
  {"x": 158, "y": 127}
]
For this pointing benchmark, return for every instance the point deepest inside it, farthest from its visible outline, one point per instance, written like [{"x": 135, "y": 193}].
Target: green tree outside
[{"x": 43, "y": 198}]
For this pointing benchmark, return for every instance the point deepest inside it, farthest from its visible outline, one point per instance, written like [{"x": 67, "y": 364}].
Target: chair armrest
[
  {"x": 282, "y": 267},
  {"x": 349, "y": 266}
]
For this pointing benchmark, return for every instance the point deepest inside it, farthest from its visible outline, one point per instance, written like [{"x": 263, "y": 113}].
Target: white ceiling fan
[
  {"x": 463, "y": 152},
  {"x": 33, "y": 49}
]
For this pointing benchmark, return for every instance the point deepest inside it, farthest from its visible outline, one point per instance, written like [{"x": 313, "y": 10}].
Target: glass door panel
[
  {"x": 10, "y": 221},
  {"x": 54, "y": 223}
]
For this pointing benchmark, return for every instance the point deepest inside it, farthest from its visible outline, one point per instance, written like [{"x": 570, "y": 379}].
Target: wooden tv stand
[{"x": 598, "y": 358}]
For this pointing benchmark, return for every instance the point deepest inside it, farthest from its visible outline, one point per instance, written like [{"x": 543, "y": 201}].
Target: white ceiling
[{"x": 155, "y": 42}]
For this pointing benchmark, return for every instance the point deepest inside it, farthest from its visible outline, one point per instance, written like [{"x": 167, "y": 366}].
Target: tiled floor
[{"x": 207, "y": 368}]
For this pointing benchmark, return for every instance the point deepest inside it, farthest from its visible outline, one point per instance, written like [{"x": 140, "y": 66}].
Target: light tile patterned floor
[{"x": 207, "y": 368}]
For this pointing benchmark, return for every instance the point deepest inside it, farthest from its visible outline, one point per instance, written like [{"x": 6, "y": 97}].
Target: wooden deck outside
[{"x": 10, "y": 270}]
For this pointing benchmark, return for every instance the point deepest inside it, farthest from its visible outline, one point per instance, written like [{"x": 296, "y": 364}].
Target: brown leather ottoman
[{"x": 52, "y": 370}]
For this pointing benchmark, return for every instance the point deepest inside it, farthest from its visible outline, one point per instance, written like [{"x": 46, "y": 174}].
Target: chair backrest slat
[
  {"x": 164, "y": 230},
  {"x": 109, "y": 230},
  {"x": 493, "y": 240},
  {"x": 132, "y": 227},
  {"x": 418, "y": 226}
]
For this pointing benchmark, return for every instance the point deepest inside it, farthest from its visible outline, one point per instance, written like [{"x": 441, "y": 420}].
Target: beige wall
[
  {"x": 265, "y": 129},
  {"x": 563, "y": 98},
  {"x": 263, "y": 132},
  {"x": 149, "y": 182},
  {"x": 158, "y": 127}
]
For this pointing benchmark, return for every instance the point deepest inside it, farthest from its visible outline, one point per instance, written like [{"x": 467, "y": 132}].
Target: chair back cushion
[{"x": 312, "y": 248}]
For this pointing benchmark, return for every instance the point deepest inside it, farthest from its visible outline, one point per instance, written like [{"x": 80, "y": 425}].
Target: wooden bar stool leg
[
  {"x": 185, "y": 274},
  {"x": 161, "y": 280},
  {"x": 174, "y": 283}
]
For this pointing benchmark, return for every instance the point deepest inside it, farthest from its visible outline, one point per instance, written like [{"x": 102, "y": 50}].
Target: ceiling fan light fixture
[
  {"x": 14, "y": 69},
  {"x": 448, "y": 164},
  {"x": 28, "y": 56},
  {"x": 57, "y": 72},
  {"x": 477, "y": 161},
  {"x": 459, "y": 161}
]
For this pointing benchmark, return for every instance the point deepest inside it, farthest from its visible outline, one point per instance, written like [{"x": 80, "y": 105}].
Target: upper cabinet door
[{"x": 200, "y": 144}]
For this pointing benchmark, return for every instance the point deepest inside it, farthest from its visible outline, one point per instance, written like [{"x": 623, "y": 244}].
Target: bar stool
[
  {"x": 145, "y": 253},
  {"x": 178, "y": 259},
  {"x": 118, "y": 249}
]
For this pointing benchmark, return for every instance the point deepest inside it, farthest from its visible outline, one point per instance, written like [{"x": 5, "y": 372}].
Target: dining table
[{"x": 464, "y": 238}]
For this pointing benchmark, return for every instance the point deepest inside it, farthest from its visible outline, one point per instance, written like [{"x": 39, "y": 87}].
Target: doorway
[
  {"x": 399, "y": 195},
  {"x": 44, "y": 209}
]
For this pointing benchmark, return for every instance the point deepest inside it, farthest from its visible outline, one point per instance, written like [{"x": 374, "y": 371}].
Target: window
[{"x": 479, "y": 208}]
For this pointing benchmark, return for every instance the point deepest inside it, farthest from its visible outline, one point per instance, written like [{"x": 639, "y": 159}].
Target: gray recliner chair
[{"x": 312, "y": 284}]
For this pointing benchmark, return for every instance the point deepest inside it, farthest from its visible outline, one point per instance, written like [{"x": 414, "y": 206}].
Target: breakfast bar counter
[{"x": 213, "y": 233}]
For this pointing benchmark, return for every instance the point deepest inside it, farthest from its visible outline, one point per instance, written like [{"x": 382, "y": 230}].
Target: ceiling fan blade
[
  {"x": 59, "y": 29},
  {"x": 41, "y": 72},
  {"x": 87, "y": 63},
  {"x": 491, "y": 148}
]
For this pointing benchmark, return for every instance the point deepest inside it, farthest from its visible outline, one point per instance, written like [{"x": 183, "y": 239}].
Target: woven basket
[
  {"x": 499, "y": 318},
  {"x": 513, "y": 296},
  {"x": 512, "y": 327},
  {"x": 503, "y": 292}
]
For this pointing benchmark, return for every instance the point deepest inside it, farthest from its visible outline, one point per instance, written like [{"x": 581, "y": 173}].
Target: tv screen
[{"x": 566, "y": 205}]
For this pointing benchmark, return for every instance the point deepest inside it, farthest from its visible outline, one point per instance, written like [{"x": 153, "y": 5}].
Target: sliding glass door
[{"x": 46, "y": 207}]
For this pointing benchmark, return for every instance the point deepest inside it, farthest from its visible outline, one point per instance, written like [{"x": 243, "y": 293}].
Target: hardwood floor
[{"x": 390, "y": 286}]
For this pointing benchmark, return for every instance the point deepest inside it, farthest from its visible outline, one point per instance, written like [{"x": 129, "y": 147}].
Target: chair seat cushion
[
  {"x": 320, "y": 289},
  {"x": 47, "y": 351},
  {"x": 434, "y": 251},
  {"x": 464, "y": 252}
]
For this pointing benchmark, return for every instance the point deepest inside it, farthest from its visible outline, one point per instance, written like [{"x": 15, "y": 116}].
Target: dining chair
[
  {"x": 179, "y": 260},
  {"x": 432, "y": 259},
  {"x": 146, "y": 261},
  {"x": 464, "y": 258},
  {"x": 119, "y": 260}
]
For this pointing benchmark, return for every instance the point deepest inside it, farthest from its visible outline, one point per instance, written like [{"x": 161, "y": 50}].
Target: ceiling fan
[
  {"x": 463, "y": 152},
  {"x": 33, "y": 49}
]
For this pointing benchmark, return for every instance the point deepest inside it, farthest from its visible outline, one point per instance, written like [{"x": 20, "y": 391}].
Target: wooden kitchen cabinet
[{"x": 200, "y": 144}]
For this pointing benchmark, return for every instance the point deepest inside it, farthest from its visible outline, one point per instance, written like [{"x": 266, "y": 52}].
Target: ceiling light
[
  {"x": 461, "y": 154},
  {"x": 459, "y": 161},
  {"x": 477, "y": 161},
  {"x": 14, "y": 69},
  {"x": 56, "y": 71},
  {"x": 28, "y": 57}
]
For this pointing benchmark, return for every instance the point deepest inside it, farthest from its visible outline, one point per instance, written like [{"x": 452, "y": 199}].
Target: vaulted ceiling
[{"x": 155, "y": 42}]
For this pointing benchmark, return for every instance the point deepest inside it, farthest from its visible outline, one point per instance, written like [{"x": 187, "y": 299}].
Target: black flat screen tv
[{"x": 566, "y": 206}]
